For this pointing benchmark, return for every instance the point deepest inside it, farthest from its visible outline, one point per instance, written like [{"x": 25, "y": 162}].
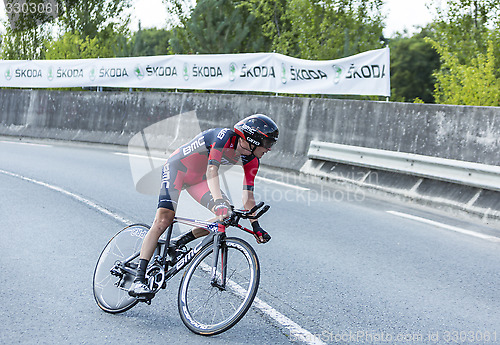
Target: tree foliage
[
  {"x": 473, "y": 83},
  {"x": 146, "y": 42},
  {"x": 275, "y": 21},
  {"x": 92, "y": 23},
  {"x": 466, "y": 36},
  {"x": 27, "y": 44},
  {"x": 314, "y": 29},
  {"x": 91, "y": 18},
  {"x": 413, "y": 62},
  {"x": 309, "y": 29},
  {"x": 465, "y": 26},
  {"x": 73, "y": 46},
  {"x": 218, "y": 26},
  {"x": 336, "y": 28}
]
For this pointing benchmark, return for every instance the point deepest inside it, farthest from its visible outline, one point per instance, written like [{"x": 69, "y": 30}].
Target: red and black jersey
[{"x": 217, "y": 147}]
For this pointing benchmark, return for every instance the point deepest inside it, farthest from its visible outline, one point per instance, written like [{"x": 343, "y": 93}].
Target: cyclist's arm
[
  {"x": 248, "y": 200},
  {"x": 220, "y": 141},
  {"x": 260, "y": 234},
  {"x": 213, "y": 181},
  {"x": 250, "y": 169}
]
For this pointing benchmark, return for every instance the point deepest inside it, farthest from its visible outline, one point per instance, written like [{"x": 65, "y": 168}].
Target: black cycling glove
[
  {"x": 222, "y": 207},
  {"x": 260, "y": 234}
]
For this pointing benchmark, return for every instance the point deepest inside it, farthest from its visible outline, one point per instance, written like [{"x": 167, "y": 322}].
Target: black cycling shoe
[{"x": 141, "y": 290}]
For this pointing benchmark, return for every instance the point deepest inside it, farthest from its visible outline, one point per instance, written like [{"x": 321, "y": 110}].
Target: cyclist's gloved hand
[
  {"x": 260, "y": 234},
  {"x": 221, "y": 208}
]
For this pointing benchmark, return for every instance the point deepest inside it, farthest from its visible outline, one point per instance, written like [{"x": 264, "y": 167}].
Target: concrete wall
[{"x": 455, "y": 132}]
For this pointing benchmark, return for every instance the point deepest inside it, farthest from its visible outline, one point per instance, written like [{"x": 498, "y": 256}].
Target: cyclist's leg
[
  {"x": 172, "y": 180},
  {"x": 171, "y": 185},
  {"x": 162, "y": 221},
  {"x": 201, "y": 193}
]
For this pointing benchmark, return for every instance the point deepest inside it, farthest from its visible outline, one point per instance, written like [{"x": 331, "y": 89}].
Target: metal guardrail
[{"x": 449, "y": 170}]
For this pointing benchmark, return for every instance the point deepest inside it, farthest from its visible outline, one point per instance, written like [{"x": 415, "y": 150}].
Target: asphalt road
[{"x": 340, "y": 267}]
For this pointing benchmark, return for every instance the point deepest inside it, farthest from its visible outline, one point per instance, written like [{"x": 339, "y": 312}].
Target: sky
[{"x": 401, "y": 14}]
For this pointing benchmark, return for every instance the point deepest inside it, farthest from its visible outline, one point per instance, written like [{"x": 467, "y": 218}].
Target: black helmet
[{"x": 258, "y": 129}]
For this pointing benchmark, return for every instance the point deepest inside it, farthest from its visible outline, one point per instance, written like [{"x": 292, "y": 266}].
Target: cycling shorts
[{"x": 174, "y": 176}]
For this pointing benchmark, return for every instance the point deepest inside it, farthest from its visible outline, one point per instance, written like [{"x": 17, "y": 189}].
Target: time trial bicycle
[{"x": 217, "y": 288}]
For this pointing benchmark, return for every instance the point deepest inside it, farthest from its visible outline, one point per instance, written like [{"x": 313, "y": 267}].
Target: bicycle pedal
[
  {"x": 177, "y": 253},
  {"x": 145, "y": 299}
]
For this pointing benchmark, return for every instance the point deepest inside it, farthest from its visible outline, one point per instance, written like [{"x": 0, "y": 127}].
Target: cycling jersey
[{"x": 187, "y": 166}]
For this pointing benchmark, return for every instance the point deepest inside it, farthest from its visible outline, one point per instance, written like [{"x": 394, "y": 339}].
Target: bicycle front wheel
[
  {"x": 116, "y": 268},
  {"x": 208, "y": 310}
]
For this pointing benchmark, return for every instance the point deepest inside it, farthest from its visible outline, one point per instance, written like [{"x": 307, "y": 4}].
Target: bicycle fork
[{"x": 222, "y": 249}]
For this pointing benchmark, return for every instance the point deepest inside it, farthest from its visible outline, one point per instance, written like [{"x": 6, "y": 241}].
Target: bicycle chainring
[{"x": 155, "y": 276}]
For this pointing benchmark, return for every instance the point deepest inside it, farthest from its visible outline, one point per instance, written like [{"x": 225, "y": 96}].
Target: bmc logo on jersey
[
  {"x": 222, "y": 133},
  {"x": 193, "y": 146}
]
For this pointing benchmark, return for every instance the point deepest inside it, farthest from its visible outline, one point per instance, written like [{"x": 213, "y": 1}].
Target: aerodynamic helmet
[{"x": 258, "y": 129}]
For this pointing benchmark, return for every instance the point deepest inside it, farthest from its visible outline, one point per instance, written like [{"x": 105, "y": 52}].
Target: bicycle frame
[{"x": 217, "y": 234}]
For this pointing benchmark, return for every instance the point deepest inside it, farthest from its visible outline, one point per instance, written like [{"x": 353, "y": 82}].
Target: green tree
[
  {"x": 91, "y": 18},
  {"x": 73, "y": 46},
  {"x": 218, "y": 26},
  {"x": 146, "y": 42},
  {"x": 105, "y": 21},
  {"x": 151, "y": 41},
  {"x": 413, "y": 62},
  {"x": 473, "y": 83},
  {"x": 276, "y": 24},
  {"x": 320, "y": 29},
  {"x": 336, "y": 28},
  {"x": 27, "y": 44},
  {"x": 465, "y": 27},
  {"x": 466, "y": 36}
]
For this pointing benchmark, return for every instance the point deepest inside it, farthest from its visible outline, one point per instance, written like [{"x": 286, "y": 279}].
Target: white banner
[{"x": 363, "y": 74}]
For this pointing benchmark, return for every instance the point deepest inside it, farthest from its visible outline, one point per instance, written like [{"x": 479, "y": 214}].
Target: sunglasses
[{"x": 268, "y": 143}]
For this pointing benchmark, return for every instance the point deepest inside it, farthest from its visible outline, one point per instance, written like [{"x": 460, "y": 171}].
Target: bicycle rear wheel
[
  {"x": 112, "y": 278},
  {"x": 209, "y": 310}
]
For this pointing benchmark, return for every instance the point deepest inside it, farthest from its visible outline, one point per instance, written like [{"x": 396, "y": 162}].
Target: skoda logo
[
  {"x": 283, "y": 74},
  {"x": 232, "y": 71},
  {"x": 8, "y": 74},
  {"x": 50, "y": 74},
  {"x": 139, "y": 72},
  {"x": 92, "y": 73},
  {"x": 185, "y": 71},
  {"x": 337, "y": 73}
]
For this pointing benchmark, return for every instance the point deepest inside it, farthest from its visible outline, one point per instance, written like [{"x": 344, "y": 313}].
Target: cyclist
[{"x": 195, "y": 167}]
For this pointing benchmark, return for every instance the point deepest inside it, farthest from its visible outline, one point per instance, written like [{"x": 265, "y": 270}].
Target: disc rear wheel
[{"x": 113, "y": 275}]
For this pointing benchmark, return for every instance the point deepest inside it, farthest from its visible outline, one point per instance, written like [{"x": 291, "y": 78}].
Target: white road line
[
  {"x": 281, "y": 183},
  {"x": 297, "y": 331},
  {"x": 72, "y": 195},
  {"x": 268, "y": 180},
  {"x": 140, "y": 156},
  {"x": 22, "y": 143},
  {"x": 446, "y": 226}
]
